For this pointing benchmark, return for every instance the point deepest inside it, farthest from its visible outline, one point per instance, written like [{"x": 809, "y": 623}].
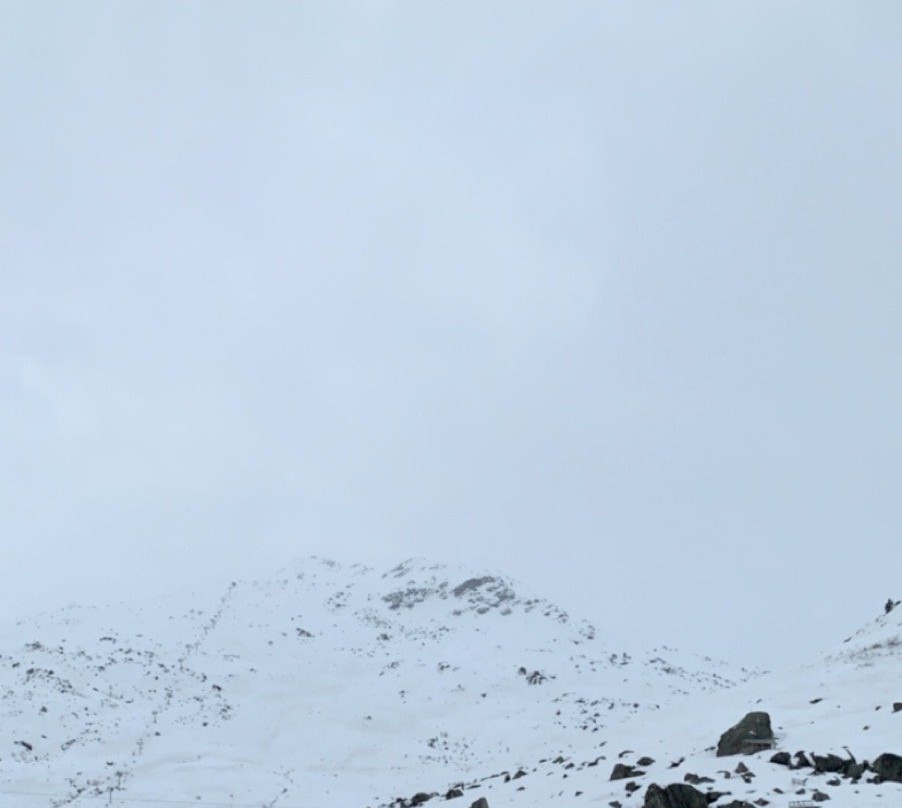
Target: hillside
[
  {"x": 842, "y": 712},
  {"x": 324, "y": 685}
]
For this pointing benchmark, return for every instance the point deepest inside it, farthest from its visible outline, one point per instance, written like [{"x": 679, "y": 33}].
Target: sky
[{"x": 603, "y": 296}]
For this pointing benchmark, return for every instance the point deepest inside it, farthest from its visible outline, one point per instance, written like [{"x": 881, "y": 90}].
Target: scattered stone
[
  {"x": 453, "y": 793},
  {"x": 828, "y": 763},
  {"x": 856, "y": 770},
  {"x": 781, "y": 758},
  {"x": 630, "y": 787},
  {"x": 622, "y": 771},
  {"x": 482, "y": 802},
  {"x": 753, "y": 728},
  {"x": 819, "y": 796},
  {"x": 695, "y": 779},
  {"x": 419, "y": 798},
  {"x": 802, "y": 760},
  {"x": 897, "y": 706},
  {"x": 645, "y": 761},
  {"x": 742, "y": 769}
]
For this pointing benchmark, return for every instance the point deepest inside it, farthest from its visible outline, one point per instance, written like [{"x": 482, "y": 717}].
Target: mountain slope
[
  {"x": 324, "y": 685},
  {"x": 848, "y": 703}
]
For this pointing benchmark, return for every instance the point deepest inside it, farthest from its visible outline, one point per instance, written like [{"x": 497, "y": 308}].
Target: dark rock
[
  {"x": 676, "y": 795},
  {"x": 615, "y": 804},
  {"x": 645, "y": 761},
  {"x": 856, "y": 770},
  {"x": 420, "y": 797},
  {"x": 696, "y": 779},
  {"x": 714, "y": 796},
  {"x": 802, "y": 761},
  {"x": 819, "y": 796},
  {"x": 781, "y": 758},
  {"x": 753, "y": 727},
  {"x": 897, "y": 706},
  {"x": 828, "y": 763},
  {"x": 742, "y": 769},
  {"x": 471, "y": 584},
  {"x": 453, "y": 793},
  {"x": 888, "y": 767},
  {"x": 622, "y": 771},
  {"x": 482, "y": 802},
  {"x": 631, "y": 786},
  {"x": 737, "y": 804}
]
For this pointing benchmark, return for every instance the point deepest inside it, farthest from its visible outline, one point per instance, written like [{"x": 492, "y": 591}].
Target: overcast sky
[{"x": 602, "y": 295}]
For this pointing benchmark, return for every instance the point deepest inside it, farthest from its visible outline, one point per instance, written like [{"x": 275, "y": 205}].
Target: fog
[{"x": 603, "y": 296}]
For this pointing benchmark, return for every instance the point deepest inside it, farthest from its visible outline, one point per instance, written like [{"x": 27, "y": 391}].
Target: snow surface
[{"x": 343, "y": 686}]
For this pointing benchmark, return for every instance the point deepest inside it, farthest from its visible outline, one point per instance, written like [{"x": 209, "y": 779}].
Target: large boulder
[
  {"x": 676, "y": 795},
  {"x": 888, "y": 766},
  {"x": 753, "y": 727}
]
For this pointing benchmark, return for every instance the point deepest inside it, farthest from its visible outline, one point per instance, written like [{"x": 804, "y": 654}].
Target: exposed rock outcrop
[
  {"x": 676, "y": 795},
  {"x": 746, "y": 736}
]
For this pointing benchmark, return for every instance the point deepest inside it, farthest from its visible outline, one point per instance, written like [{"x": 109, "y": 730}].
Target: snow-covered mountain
[
  {"x": 325, "y": 685},
  {"x": 840, "y": 710},
  {"x": 343, "y": 686}
]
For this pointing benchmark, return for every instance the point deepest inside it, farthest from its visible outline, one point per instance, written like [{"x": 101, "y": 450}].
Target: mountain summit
[{"x": 323, "y": 685}]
